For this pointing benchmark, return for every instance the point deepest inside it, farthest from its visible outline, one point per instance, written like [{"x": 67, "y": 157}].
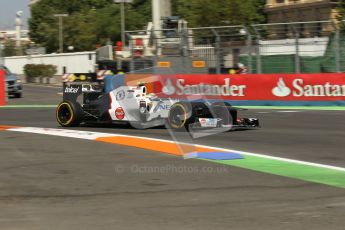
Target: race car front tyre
[
  {"x": 69, "y": 114},
  {"x": 180, "y": 115},
  {"x": 224, "y": 111}
]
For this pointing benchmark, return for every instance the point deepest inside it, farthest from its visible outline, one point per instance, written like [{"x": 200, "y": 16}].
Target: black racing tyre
[
  {"x": 69, "y": 114},
  {"x": 180, "y": 115}
]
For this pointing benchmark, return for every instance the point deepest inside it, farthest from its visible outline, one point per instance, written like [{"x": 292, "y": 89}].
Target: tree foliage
[
  {"x": 9, "y": 48},
  {"x": 341, "y": 10},
  {"x": 90, "y": 22},
  {"x": 96, "y": 22},
  {"x": 220, "y": 12}
]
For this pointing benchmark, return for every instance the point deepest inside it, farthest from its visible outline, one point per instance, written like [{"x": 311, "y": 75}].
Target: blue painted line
[{"x": 214, "y": 155}]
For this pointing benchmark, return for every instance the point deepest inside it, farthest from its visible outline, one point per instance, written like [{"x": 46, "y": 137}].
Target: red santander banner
[
  {"x": 2, "y": 88},
  {"x": 272, "y": 87}
]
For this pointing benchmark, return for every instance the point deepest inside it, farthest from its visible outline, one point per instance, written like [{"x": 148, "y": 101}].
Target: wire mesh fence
[{"x": 299, "y": 47}]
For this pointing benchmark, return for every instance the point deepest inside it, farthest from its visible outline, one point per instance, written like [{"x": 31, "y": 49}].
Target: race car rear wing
[
  {"x": 77, "y": 84},
  {"x": 81, "y": 77}
]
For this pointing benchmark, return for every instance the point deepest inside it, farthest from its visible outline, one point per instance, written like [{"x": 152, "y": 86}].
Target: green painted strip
[
  {"x": 27, "y": 106},
  {"x": 326, "y": 176},
  {"x": 334, "y": 108}
]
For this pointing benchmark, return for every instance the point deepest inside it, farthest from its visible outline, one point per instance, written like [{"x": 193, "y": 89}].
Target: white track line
[{"x": 94, "y": 135}]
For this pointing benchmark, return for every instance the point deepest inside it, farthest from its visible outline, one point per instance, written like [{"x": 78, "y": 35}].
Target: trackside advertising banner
[
  {"x": 2, "y": 88},
  {"x": 256, "y": 89}
]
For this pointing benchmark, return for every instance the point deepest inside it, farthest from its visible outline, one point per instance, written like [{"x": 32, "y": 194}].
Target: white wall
[
  {"x": 82, "y": 62},
  {"x": 312, "y": 47}
]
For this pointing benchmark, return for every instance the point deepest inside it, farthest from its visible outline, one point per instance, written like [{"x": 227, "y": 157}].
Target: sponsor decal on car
[
  {"x": 70, "y": 89},
  {"x": 142, "y": 106},
  {"x": 120, "y": 113},
  {"x": 164, "y": 107},
  {"x": 120, "y": 95},
  {"x": 87, "y": 88},
  {"x": 208, "y": 122}
]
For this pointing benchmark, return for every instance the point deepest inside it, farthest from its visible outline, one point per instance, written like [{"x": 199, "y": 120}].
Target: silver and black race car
[{"x": 87, "y": 99}]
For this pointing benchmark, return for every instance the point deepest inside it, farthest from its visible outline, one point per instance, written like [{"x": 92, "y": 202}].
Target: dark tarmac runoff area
[{"x": 52, "y": 182}]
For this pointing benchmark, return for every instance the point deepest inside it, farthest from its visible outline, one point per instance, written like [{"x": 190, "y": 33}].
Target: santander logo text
[
  {"x": 300, "y": 89},
  {"x": 181, "y": 88}
]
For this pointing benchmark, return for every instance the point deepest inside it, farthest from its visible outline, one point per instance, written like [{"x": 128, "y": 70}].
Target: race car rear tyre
[
  {"x": 180, "y": 115},
  {"x": 69, "y": 114}
]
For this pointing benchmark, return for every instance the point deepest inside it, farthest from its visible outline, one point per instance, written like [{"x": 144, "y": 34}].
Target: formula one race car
[{"x": 103, "y": 101}]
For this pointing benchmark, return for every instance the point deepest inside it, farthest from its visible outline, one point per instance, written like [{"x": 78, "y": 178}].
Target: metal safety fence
[{"x": 297, "y": 47}]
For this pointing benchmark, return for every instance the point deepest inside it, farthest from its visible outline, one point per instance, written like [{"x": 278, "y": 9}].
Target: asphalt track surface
[{"x": 49, "y": 182}]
